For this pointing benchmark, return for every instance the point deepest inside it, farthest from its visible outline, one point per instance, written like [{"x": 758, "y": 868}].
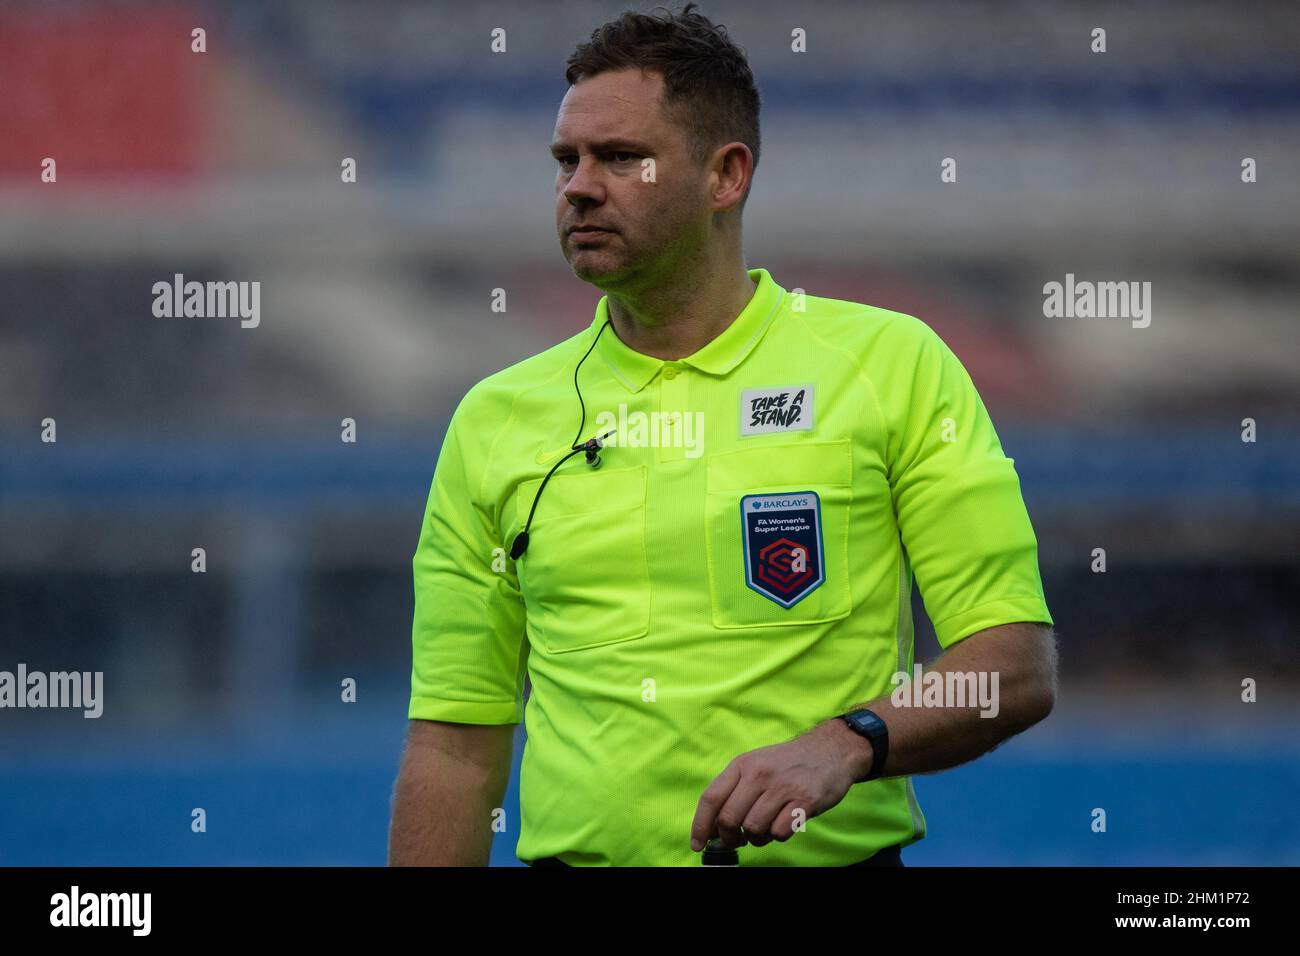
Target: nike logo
[{"x": 547, "y": 457}]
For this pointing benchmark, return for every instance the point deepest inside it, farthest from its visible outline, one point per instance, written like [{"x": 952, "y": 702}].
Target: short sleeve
[
  {"x": 469, "y": 653},
  {"x": 961, "y": 515}
]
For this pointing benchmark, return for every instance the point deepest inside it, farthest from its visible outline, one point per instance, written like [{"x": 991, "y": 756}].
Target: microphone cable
[{"x": 591, "y": 447}]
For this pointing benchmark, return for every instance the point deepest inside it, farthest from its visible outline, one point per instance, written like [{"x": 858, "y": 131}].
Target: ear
[{"x": 731, "y": 171}]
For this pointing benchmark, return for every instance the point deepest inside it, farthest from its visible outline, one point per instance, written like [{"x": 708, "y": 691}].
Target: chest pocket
[
  {"x": 584, "y": 578},
  {"x": 823, "y": 468}
]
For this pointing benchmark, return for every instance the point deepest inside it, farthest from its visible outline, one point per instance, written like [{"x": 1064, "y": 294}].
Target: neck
[{"x": 675, "y": 319}]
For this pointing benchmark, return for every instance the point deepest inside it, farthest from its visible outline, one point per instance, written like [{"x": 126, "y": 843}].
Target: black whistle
[{"x": 715, "y": 854}]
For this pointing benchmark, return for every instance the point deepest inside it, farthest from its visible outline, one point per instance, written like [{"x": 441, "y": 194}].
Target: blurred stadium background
[{"x": 222, "y": 689}]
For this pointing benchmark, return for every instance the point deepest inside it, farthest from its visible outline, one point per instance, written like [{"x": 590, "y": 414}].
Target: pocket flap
[
  {"x": 790, "y": 465},
  {"x": 583, "y": 492}
]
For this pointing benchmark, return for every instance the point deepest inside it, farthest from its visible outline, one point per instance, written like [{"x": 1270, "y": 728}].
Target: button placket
[{"x": 673, "y": 391}]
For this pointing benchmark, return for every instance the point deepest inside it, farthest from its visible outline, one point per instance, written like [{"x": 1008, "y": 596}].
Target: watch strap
[{"x": 867, "y": 723}]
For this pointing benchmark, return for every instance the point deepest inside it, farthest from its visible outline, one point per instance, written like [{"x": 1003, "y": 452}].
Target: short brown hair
[{"x": 708, "y": 86}]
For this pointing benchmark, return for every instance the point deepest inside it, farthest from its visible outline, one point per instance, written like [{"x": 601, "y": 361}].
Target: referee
[{"x": 708, "y": 585}]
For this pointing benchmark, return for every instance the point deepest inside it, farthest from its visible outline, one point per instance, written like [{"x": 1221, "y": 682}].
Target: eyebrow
[{"x": 604, "y": 146}]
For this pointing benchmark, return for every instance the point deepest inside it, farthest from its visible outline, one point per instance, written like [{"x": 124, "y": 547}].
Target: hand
[{"x": 761, "y": 790}]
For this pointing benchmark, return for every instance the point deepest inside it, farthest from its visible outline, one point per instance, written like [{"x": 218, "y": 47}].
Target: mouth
[{"x": 587, "y": 232}]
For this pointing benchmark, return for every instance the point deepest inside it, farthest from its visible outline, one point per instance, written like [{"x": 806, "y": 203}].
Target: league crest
[{"x": 784, "y": 558}]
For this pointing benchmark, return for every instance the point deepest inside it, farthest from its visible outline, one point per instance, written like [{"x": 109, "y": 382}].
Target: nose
[{"x": 584, "y": 183}]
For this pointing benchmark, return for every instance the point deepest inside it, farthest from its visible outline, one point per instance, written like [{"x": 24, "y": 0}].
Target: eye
[{"x": 624, "y": 157}]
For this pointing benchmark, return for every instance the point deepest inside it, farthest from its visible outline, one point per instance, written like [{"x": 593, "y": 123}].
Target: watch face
[{"x": 867, "y": 723}]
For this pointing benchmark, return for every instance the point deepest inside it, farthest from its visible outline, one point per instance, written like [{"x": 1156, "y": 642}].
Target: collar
[{"x": 636, "y": 369}]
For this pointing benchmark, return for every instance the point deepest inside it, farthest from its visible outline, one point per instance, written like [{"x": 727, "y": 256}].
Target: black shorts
[{"x": 889, "y": 856}]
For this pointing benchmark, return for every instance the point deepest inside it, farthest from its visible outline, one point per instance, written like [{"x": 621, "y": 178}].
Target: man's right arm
[
  {"x": 469, "y": 655},
  {"x": 453, "y": 776}
]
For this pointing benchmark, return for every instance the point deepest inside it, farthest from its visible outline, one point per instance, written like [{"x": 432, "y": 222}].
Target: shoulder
[
  {"x": 879, "y": 338},
  {"x": 492, "y": 399},
  {"x": 482, "y": 426}
]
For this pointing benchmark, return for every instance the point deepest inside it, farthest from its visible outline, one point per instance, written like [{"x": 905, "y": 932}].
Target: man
[{"x": 697, "y": 613}]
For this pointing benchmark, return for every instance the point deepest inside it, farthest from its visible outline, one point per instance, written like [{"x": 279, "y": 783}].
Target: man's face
[{"x": 607, "y": 126}]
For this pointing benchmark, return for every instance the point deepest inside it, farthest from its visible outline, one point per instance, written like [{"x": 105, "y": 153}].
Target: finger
[
  {"x": 703, "y": 826},
  {"x": 783, "y": 823},
  {"x": 758, "y": 822},
  {"x": 736, "y": 809}
]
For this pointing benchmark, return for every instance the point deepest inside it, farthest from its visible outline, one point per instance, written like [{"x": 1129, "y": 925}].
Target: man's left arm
[
  {"x": 1015, "y": 662},
  {"x": 760, "y": 791}
]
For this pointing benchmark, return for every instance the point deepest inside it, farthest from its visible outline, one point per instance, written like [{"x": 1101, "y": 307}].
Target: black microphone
[
  {"x": 591, "y": 446},
  {"x": 520, "y": 545}
]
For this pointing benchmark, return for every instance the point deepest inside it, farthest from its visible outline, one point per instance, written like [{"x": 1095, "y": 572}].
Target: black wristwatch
[{"x": 868, "y": 724}]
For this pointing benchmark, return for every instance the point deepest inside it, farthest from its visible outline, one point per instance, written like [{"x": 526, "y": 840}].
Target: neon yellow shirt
[{"x": 737, "y": 570}]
